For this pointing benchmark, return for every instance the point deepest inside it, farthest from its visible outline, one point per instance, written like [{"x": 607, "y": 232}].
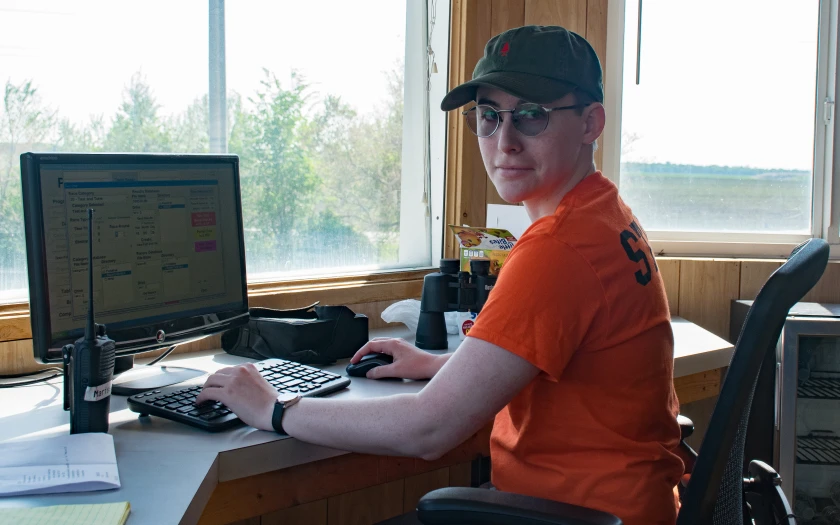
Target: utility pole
[{"x": 217, "y": 92}]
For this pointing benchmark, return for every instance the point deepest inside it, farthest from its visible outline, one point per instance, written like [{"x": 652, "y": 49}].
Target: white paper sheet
[
  {"x": 71, "y": 463},
  {"x": 512, "y": 218}
]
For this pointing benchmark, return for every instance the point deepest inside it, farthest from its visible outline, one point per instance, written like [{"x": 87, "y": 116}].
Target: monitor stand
[{"x": 136, "y": 379}]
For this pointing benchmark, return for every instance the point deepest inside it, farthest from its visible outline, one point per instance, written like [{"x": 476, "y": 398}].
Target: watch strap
[
  {"x": 279, "y": 409},
  {"x": 277, "y": 417}
]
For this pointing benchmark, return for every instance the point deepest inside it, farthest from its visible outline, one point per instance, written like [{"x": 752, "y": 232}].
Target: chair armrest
[
  {"x": 469, "y": 506},
  {"x": 765, "y": 482},
  {"x": 686, "y": 427}
]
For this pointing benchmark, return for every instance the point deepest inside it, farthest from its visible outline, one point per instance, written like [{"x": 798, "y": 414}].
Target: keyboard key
[
  {"x": 285, "y": 376},
  {"x": 203, "y": 409}
]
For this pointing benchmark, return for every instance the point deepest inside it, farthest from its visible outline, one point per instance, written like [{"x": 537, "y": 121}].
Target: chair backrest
[{"x": 715, "y": 490}]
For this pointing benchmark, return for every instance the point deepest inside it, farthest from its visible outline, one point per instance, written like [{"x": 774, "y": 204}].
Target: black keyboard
[{"x": 178, "y": 403}]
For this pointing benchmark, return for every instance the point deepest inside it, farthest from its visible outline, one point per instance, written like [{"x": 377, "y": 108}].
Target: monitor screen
[{"x": 168, "y": 249}]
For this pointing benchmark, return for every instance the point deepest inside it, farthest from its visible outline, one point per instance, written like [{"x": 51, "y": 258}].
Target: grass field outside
[{"x": 718, "y": 199}]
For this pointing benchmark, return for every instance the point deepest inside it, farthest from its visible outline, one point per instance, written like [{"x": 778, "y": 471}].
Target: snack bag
[{"x": 492, "y": 243}]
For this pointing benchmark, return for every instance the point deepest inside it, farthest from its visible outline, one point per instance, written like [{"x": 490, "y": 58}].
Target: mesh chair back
[{"x": 715, "y": 491}]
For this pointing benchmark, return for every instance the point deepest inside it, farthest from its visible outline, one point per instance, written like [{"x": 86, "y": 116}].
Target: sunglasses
[{"x": 529, "y": 118}]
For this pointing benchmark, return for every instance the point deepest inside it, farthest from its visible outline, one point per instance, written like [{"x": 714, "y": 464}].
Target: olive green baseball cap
[{"x": 535, "y": 63}]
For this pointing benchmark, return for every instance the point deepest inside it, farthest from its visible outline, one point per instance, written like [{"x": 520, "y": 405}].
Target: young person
[{"x": 573, "y": 352}]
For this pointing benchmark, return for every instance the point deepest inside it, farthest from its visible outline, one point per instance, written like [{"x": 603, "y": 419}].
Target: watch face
[{"x": 286, "y": 397}]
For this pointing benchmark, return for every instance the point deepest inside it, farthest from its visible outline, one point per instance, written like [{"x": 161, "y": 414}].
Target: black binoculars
[{"x": 451, "y": 290}]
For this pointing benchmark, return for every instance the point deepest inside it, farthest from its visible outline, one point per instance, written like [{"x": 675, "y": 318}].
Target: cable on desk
[
  {"x": 57, "y": 372},
  {"x": 162, "y": 356}
]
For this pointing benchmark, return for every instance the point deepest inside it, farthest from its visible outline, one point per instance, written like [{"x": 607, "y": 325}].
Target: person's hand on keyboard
[
  {"x": 244, "y": 391},
  {"x": 409, "y": 361}
]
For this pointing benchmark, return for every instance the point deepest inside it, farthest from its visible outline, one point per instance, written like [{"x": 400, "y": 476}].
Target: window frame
[
  {"x": 358, "y": 287},
  {"x": 825, "y": 210}
]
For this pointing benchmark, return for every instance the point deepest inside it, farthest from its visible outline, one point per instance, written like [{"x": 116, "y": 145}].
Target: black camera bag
[{"x": 309, "y": 335}]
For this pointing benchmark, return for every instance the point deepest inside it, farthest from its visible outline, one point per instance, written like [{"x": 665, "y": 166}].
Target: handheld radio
[{"x": 89, "y": 367}]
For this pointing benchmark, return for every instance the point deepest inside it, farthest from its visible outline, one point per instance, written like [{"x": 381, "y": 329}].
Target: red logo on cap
[{"x": 505, "y": 49}]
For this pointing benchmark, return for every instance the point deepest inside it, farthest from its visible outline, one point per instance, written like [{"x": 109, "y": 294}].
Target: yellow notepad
[{"x": 100, "y": 513}]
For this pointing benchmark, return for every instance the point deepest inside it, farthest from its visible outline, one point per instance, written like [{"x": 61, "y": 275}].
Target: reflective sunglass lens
[{"x": 530, "y": 119}]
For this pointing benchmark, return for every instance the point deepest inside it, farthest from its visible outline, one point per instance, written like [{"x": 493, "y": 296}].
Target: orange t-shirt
[{"x": 581, "y": 298}]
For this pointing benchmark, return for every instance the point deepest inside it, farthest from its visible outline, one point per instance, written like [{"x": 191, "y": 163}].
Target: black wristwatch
[{"x": 282, "y": 402}]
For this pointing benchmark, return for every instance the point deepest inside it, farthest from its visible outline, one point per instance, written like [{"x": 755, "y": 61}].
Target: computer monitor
[{"x": 168, "y": 252}]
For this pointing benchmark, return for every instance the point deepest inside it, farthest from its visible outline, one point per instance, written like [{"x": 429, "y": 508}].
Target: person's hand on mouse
[
  {"x": 244, "y": 391},
  {"x": 409, "y": 361}
]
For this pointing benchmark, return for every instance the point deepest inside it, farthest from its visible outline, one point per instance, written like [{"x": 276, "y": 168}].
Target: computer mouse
[{"x": 368, "y": 362}]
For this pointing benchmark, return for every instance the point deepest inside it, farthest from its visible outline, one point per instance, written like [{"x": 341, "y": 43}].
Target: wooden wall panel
[
  {"x": 14, "y": 323},
  {"x": 475, "y": 211},
  {"x": 374, "y": 312},
  {"x": 349, "y": 507},
  {"x": 280, "y": 489},
  {"x": 698, "y": 386},
  {"x": 460, "y": 475},
  {"x": 706, "y": 289},
  {"x": 827, "y": 289},
  {"x": 753, "y": 276},
  {"x": 314, "y": 513},
  {"x": 250, "y": 521},
  {"x": 504, "y": 15},
  {"x": 466, "y": 182},
  {"x": 669, "y": 269},
  {"x": 16, "y": 357},
  {"x": 455, "y": 129},
  {"x": 368, "y": 505},
  {"x": 596, "y": 35},
  {"x": 417, "y": 486},
  {"x": 570, "y": 14},
  {"x": 700, "y": 413}
]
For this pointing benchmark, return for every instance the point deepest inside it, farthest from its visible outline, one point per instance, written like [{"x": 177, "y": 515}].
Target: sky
[
  {"x": 81, "y": 55},
  {"x": 723, "y": 82},
  {"x": 739, "y": 94}
]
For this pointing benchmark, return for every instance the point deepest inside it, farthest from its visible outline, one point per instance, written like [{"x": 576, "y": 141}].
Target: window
[
  {"x": 325, "y": 102},
  {"x": 723, "y": 138}
]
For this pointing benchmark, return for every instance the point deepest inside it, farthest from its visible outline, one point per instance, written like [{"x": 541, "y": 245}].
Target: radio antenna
[{"x": 90, "y": 329}]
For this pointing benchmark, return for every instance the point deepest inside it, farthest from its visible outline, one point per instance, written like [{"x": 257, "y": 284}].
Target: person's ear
[{"x": 594, "y": 119}]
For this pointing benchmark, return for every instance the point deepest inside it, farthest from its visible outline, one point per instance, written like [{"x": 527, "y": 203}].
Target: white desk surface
[{"x": 168, "y": 470}]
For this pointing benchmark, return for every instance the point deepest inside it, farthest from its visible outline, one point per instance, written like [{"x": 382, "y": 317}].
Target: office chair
[{"x": 716, "y": 487}]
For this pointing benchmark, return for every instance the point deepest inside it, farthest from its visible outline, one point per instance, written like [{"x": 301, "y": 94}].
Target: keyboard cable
[{"x": 56, "y": 372}]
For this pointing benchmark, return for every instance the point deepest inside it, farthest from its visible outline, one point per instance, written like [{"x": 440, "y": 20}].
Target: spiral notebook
[{"x": 99, "y": 514}]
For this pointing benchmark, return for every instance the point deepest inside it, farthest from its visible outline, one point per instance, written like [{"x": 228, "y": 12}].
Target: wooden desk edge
[{"x": 319, "y": 480}]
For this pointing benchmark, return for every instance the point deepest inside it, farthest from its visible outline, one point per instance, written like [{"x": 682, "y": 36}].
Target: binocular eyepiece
[{"x": 451, "y": 290}]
